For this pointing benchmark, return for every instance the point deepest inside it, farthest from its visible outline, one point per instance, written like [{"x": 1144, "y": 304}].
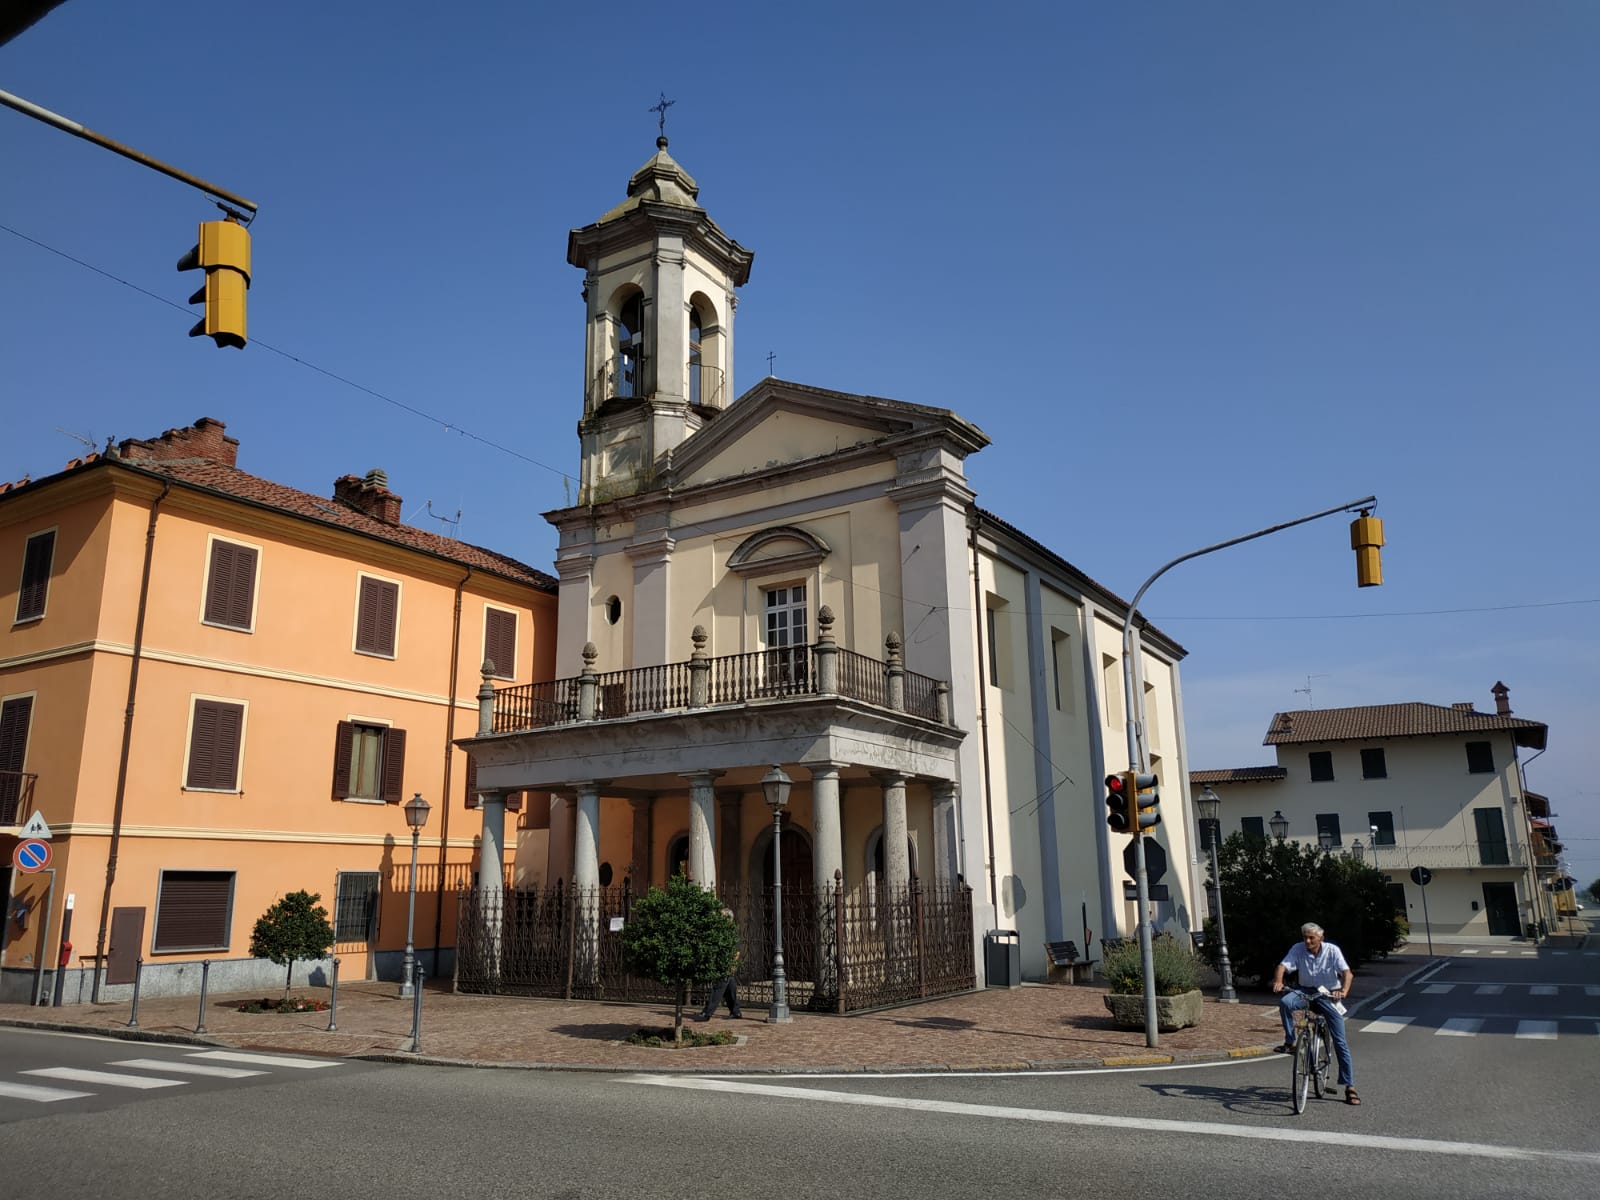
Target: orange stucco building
[{"x": 215, "y": 690}]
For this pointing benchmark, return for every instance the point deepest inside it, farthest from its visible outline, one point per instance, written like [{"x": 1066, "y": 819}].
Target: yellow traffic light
[
  {"x": 223, "y": 252},
  {"x": 1366, "y": 539}
]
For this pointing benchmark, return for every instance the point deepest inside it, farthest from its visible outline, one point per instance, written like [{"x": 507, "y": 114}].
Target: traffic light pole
[
  {"x": 28, "y": 108},
  {"x": 1138, "y": 754}
]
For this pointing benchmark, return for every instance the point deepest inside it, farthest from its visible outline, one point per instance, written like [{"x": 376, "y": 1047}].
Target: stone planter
[{"x": 1172, "y": 1012}]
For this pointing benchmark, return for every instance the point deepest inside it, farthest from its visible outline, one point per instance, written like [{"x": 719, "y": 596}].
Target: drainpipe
[
  {"x": 983, "y": 710},
  {"x": 449, "y": 737},
  {"x": 127, "y": 741}
]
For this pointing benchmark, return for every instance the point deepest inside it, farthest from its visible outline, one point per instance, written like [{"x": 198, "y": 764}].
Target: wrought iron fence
[
  {"x": 862, "y": 678},
  {"x": 843, "y": 952},
  {"x": 535, "y": 705},
  {"x": 760, "y": 674},
  {"x": 647, "y": 689}
]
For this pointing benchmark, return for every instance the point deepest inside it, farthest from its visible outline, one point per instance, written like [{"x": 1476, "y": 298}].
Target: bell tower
[{"x": 659, "y": 280}]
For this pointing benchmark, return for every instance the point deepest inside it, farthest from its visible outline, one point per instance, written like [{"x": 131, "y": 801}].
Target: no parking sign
[{"x": 31, "y": 855}]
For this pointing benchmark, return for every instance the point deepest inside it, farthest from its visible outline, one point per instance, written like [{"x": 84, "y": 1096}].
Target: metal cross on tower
[{"x": 661, "y": 109}]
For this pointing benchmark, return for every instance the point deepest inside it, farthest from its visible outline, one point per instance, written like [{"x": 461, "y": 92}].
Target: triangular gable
[{"x": 780, "y": 424}]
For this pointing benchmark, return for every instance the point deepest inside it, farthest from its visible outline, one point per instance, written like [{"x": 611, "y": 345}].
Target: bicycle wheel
[
  {"x": 1325, "y": 1060},
  {"x": 1301, "y": 1063}
]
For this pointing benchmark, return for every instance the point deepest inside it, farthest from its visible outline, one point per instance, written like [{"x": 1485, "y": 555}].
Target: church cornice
[{"x": 649, "y": 220}]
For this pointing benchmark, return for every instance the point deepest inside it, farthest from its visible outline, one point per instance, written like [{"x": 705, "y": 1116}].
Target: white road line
[
  {"x": 1387, "y": 1025},
  {"x": 267, "y": 1060},
  {"x": 1459, "y": 1027},
  {"x": 1540, "y": 1030},
  {"x": 1389, "y": 1001},
  {"x": 106, "y": 1078},
  {"x": 1528, "y": 953},
  {"x": 41, "y": 1095},
  {"x": 1438, "y": 989},
  {"x": 1591, "y": 990},
  {"x": 1543, "y": 989},
  {"x": 185, "y": 1068},
  {"x": 1499, "y": 952},
  {"x": 1287, "y": 1132},
  {"x": 1489, "y": 989},
  {"x": 1558, "y": 953},
  {"x": 1469, "y": 952}
]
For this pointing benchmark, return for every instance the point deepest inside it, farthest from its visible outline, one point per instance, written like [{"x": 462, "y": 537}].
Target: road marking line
[
  {"x": 1387, "y": 1025},
  {"x": 1459, "y": 1027},
  {"x": 1490, "y": 989},
  {"x": 1543, "y": 989},
  {"x": 40, "y": 1095},
  {"x": 1542, "y": 1030},
  {"x": 1289, "y": 1132},
  {"x": 1438, "y": 989},
  {"x": 1559, "y": 953},
  {"x": 1591, "y": 990},
  {"x": 1499, "y": 952},
  {"x": 185, "y": 1068},
  {"x": 1469, "y": 952},
  {"x": 267, "y": 1060},
  {"x": 1389, "y": 1001},
  {"x": 106, "y": 1078},
  {"x": 1528, "y": 953}
]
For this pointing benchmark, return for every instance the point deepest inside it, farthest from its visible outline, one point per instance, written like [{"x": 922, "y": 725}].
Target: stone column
[
  {"x": 896, "y": 858},
  {"x": 945, "y": 841},
  {"x": 491, "y": 875},
  {"x": 586, "y": 881},
  {"x": 702, "y": 828},
  {"x": 639, "y": 859},
  {"x": 827, "y": 825}
]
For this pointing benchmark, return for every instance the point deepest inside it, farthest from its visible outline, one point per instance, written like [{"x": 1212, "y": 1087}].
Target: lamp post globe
[
  {"x": 775, "y": 786},
  {"x": 416, "y": 810},
  {"x": 1279, "y": 824},
  {"x": 1209, "y": 806}
]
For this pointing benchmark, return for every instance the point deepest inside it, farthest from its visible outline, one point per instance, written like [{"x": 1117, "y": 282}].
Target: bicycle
[{"x": 1313, "y": 1054}]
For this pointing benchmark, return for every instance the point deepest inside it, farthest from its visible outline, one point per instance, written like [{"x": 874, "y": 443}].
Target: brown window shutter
[
  {"x": 230, "y": 728},
  {"x": 15, "y": 717},
  {"x": 472, "y": 782},
  {"x": 221, "y": 575},
  {"x": 376, "y": 614},
  {"x": 202, "y": 745},
  {"x": 394, "y": 765},
  {"x": 388, "y": 610},
  {"x": 242, "y": 585},
  {"x": 230, "y": 591},
  {"x": 500, "y": 642},
  {"x": 343, "y": 746},
  {"x": 194, "y": 909},
  {"x": 37, "y": 560}
]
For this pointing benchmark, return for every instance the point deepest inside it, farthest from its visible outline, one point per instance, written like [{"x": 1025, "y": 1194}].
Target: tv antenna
[
  {"x": 77, "y": 437},
  {"x": 454, "y": 521},
  {"x": 1307, "y": 688}
]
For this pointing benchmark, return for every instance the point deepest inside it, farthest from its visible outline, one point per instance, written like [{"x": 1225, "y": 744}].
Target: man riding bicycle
[{"x": 1320, "y": 964}]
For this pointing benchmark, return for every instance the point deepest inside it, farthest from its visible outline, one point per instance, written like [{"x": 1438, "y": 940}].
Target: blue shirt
[{"x": 1325, "y": 968}]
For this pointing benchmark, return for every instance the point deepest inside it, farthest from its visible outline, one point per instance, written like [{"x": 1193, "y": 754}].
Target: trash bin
[{"x": 1002, "y": 958}]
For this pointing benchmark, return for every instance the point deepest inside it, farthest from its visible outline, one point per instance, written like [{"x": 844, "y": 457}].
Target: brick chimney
[
  {"x": 206, "y": 440},
  {"x": 1502, "y": 699},
  {"x": 370, "y": 495}
]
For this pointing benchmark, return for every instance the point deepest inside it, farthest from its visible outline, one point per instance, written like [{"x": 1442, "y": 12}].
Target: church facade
[{"x": 801, "y": 581}]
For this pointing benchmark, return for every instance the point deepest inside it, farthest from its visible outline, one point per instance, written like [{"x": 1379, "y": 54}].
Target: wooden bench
[{"x": 1061, "y": 959}]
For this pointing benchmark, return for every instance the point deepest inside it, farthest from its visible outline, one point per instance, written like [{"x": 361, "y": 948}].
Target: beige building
[
  {"x": 802, "y": 578},
  {"x": 1409, "y": 786}
]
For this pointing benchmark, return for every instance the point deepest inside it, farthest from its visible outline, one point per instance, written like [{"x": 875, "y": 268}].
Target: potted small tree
[
  {"x": 678, "y": 935},
  {"x": 293, "y": 928},
  {"x": 1177, "y": 974}
]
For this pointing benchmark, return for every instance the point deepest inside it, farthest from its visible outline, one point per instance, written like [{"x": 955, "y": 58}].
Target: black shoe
[
  {"x": 1284, "y": 1048},
  {"x": 738, "y": 1016},
  {"x": 701, "y": 1017}
]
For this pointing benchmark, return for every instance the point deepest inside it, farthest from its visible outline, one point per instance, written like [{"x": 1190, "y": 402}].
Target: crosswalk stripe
[
  {"x": 42, "y": 1095},
  {"x": 1591, "y": 990},
  {"x": 267, "y": 1060},
  {"x": 1439, "y": 989},
  {"x": 1543, "y": 989},
  {"x": 1489, "y": 989},
  {"x": 1459, "y": 1027},
  {"x": 1387, "y": 1025},
  {"x": 1528, "y": 953},
  {"x": 185, "y": 1068},
  {"x": 106, "y": 1078},
  {"x": 1542, "y": 1030}
]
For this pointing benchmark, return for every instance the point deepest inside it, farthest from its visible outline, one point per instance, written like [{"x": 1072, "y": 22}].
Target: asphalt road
[{"x": 1449, "y": 1113}]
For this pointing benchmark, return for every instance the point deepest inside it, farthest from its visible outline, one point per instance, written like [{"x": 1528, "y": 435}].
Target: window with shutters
[
  {"x": 1321, "y": 766},
  {"x": 216, "y": 741},
  {"x": 1373, "y": 764},
  {"x": 355, "y": 908},
  {"x": 1253, "y": 827},
  {"x": 231, "y": 586},
  {"x": 1480, "y": 758},
  {"x": 16, "y": 715},
  {"x": 369, "y": 762},
  {"x": 37, "y": 558},
  {"x": 377, "y": 611},
  {"x": 500, "y": 641},
  {"x": 194, "y": 911}
]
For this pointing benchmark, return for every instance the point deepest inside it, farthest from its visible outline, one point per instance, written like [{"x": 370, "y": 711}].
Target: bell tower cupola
[{"x": 659, "y": 280}]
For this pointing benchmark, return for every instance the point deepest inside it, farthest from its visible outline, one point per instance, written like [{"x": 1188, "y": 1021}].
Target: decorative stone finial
[
  {"x": 590, "y": 653},
  {"x": 487, "y": 670},
  {"x": 824, "y": 616},
  {"x": 699, "y": 637}
]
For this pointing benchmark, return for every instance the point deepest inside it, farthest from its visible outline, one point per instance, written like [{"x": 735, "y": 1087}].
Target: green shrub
[
  {"x": 295, "y": 927},
  {"x": 1177, "y": 969},
  {"x": 678, "y": 935}
]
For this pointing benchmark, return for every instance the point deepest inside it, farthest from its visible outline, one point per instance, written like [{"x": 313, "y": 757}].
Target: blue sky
[{"x": 1196, "y": 269}]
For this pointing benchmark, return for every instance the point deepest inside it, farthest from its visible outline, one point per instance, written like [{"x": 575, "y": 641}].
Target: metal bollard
[
  {"x": 205, "y": 983},
  {"x": 416, "y": 1012},
  {"x": 333, "y": 1000},
  {"x": 138, "y": 973}
]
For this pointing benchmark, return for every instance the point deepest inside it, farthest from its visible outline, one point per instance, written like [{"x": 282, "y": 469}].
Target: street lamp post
[
  {"x": 1209, "y": 806},
  {"x": 1358, "y": 851},
  {"x": 416, "y": 810},
  {"x": 1279, "y": 824},
  {"x": 1373, "y": 831},
  {"x": 1325, "y": 839},
  {"x": 775, "y": 785}
]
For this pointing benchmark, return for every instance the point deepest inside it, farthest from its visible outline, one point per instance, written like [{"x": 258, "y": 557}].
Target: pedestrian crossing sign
[{"x": 36, "y": 828}]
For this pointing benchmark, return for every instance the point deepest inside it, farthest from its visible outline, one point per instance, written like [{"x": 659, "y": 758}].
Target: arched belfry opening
[{"x": 659, "y": 280}]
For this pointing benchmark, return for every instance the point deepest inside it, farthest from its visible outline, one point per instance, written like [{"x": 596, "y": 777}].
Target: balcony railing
[
  {"x": 16, "y": 796},
  {"x": 1444, "y": 857},
  {"x": 820, "y": 669}
]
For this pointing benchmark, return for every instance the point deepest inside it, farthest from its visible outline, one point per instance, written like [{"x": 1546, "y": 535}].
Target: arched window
[
  {"x": 630, "y": 348},
  {"x": 695, "y": 390}
]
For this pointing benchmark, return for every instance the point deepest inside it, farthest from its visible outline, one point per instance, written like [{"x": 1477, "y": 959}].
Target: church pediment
[{"x": 779, "y": 424}]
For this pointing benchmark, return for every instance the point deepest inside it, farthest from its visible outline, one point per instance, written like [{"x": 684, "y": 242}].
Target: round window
[{"x": 605, "y": 874}]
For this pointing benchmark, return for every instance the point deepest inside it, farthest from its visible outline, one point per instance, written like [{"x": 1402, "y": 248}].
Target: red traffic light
[{"x": 1114, "y": 783}]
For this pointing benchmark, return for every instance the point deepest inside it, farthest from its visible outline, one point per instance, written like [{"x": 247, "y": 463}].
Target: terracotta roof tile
[
  {"x": 1373, "y": 721},
  {"x": 240, "y": 485},
  {"x": 1238, "y": 775}
]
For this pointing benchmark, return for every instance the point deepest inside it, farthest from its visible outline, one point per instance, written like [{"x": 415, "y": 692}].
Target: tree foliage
[
  {"x": 1271, "y": 888},
  {"x": 293, "y": 928},
  {"x": 1594, "y": 891},
  {"x": 678, "y": 935}
]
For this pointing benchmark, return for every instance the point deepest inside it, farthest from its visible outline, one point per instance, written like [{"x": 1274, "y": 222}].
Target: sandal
[{"x": 1350, "y": 1096}]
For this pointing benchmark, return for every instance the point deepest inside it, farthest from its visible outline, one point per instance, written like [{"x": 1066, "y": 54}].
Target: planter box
[{"x": 1172, "y": 1012}]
